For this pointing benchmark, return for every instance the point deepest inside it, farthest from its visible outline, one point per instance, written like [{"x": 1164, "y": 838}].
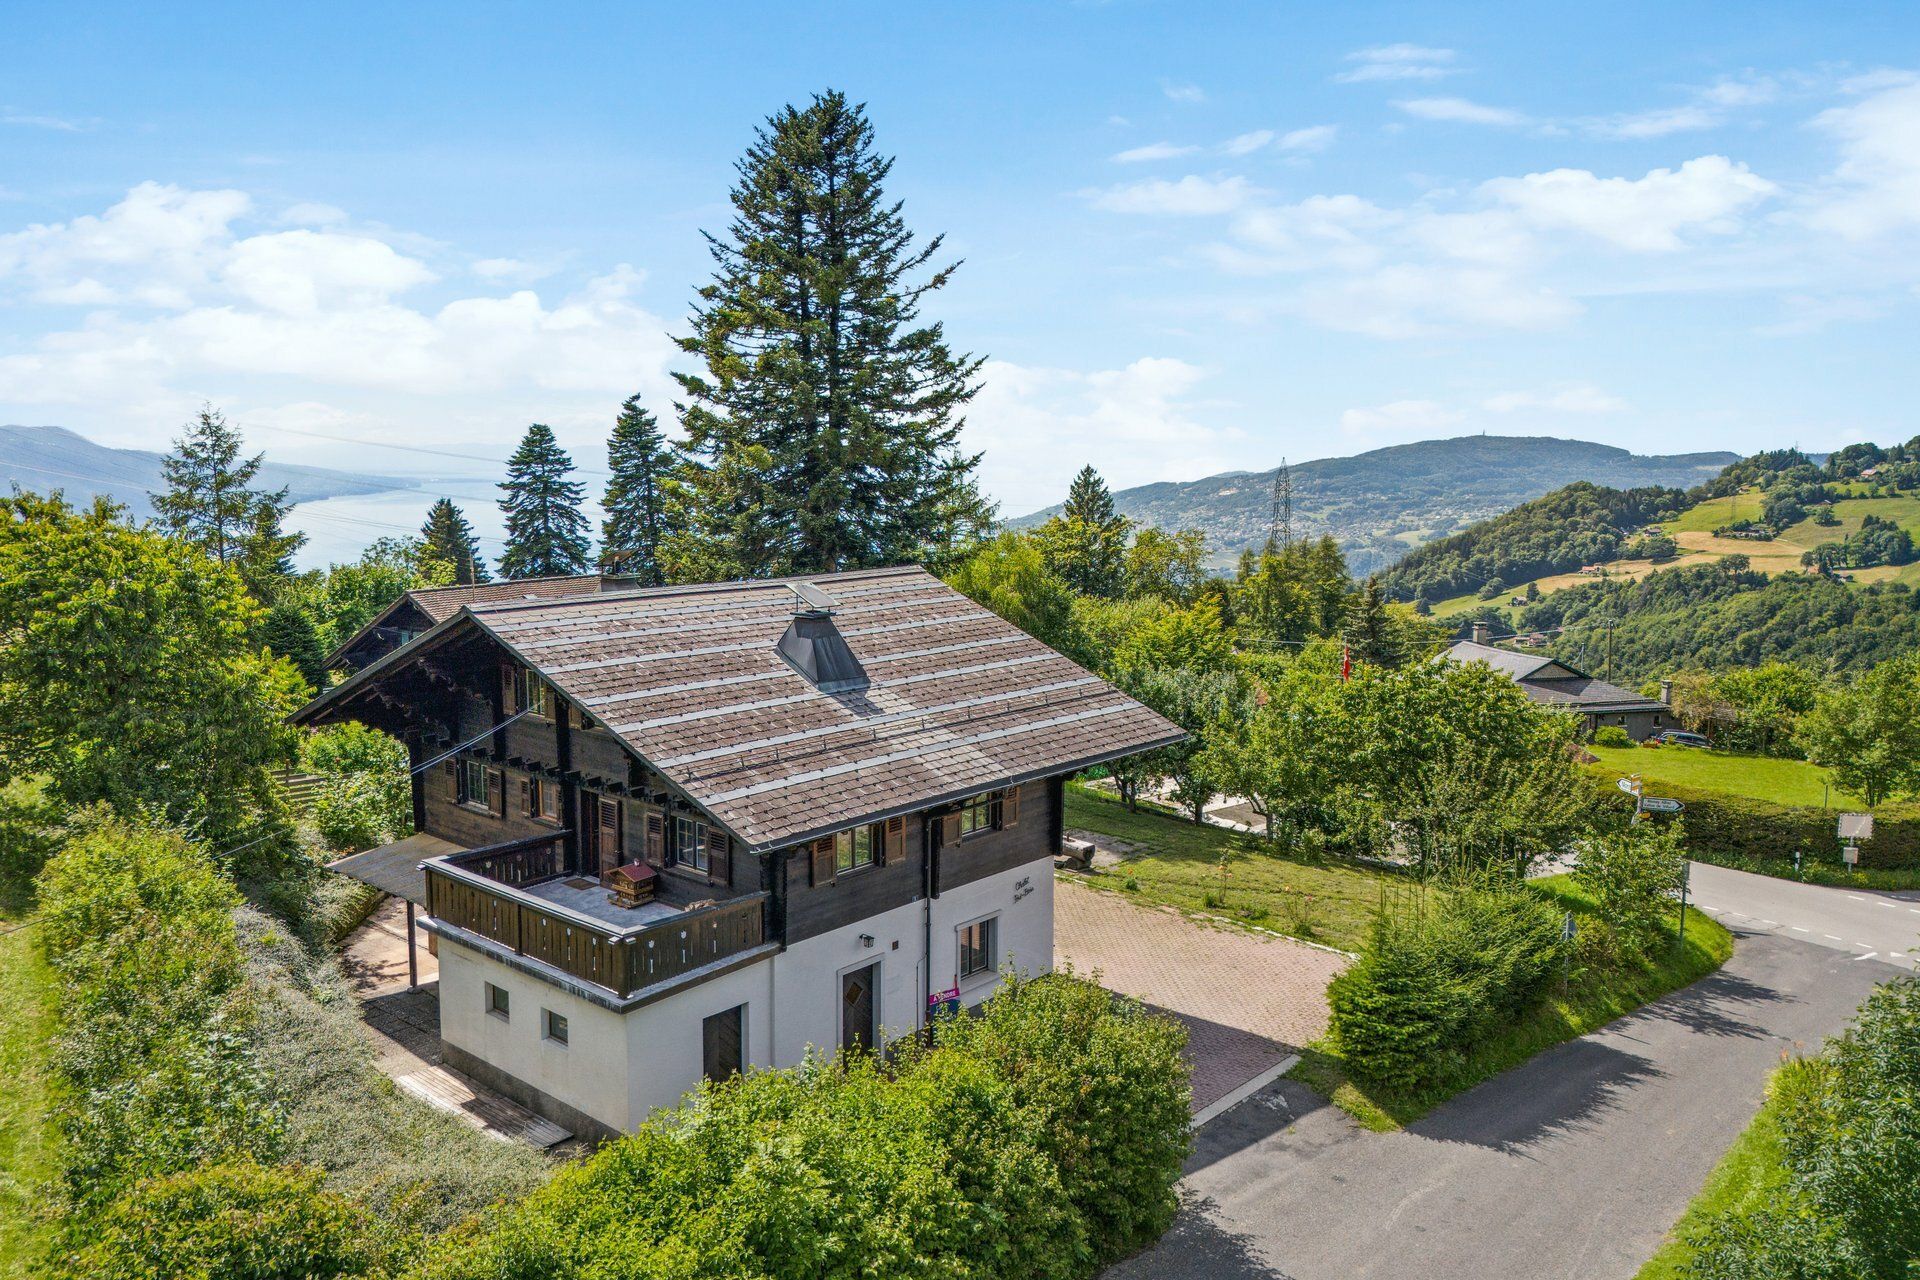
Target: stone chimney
[
  {"x": 1666, "y": 692},
  {"x": 1479, "y": 633}
]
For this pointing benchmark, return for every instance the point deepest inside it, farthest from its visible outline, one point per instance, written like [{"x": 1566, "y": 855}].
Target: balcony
[{"x": 519, "y": 897}]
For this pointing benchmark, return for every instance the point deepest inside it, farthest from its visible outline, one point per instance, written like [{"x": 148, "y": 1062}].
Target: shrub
[
  {"x": 1430, "y": 983},
  {"x": 29, "y": 835},
  {"x": 1731, "y": 828},
  {"x": 1612, "y": 735},
  {"x": 1038, "y": 1138},
  {"x": 151, "y": 1045},
  {"x": 1633, "y": 874},
  {"x": 366, "y": 799},
  {"x": 234, "y": 1221}
]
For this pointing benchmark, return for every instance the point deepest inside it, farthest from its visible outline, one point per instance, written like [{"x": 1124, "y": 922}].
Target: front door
[{"x": 858, "y": 1004}]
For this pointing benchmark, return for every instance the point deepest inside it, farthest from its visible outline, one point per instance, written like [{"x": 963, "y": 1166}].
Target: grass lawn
[
  {"x": 1324, "y": 900},
  {"x": 1756, "y": 777},
  {"x": 26, "y": 1139},
  {"x": 1746, "y": 1177},
  {"x": 1587, "y": 1004}
]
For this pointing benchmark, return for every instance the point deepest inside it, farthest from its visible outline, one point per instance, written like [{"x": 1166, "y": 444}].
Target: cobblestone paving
[{"x": 1247, "y": 1000}]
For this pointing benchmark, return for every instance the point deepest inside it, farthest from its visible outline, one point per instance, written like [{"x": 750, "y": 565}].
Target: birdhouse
[{"x": 631, "y": 884}]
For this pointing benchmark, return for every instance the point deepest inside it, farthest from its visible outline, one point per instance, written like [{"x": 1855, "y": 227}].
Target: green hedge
[
  {"x": 1733, "y": 828},
  {"x": 1040, "y": 1138}
]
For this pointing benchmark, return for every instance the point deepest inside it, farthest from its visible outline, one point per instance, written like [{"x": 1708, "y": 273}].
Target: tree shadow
[
  {"x": 1567, "y": 1089},
  {"x": 1274, "y": 1110},
  {"x": 1197, "y": 1245}
]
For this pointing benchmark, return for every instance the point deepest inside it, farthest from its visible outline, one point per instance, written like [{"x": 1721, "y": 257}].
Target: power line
[{"x": 405, "y": 448}]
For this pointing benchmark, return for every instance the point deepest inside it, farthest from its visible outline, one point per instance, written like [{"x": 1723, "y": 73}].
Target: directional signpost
[{"x": 1660, "y": 804}]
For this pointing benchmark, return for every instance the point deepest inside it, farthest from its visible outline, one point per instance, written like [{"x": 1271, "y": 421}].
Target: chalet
[
  {"x": 1557, "y": 684},
  {"x": 420, "y": 610},
  {"x": 670, "y": 832}
]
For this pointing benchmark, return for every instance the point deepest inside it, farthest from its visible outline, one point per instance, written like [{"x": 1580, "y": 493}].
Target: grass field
[
  {"x": 26, "y": 1139},
  {"x": 1585, "y": 1005},
  {"x": 1321, "y": 899},
  {"x": 1756, "y": 777},
  {"x": 1746, "y": 1177}
]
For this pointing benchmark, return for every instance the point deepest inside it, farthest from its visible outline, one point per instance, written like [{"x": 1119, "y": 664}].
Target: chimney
[
  {"x": 1666, "y": 692},
  {"x": 1479, "y": 633},
  {"x": 814, "y": 647}
]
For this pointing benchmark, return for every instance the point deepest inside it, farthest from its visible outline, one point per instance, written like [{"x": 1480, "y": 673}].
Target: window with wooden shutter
[
  {"x": 1010, "y": 807},
  {"x": 950, "y": 829},
  {"x": 823, "y": 860},
  {"x": 509, "y": 690},
  {"x": 527, "y": 800},
  {"x": 497, "y": 791},
  {"x": 656, "y": 840},
  {"x": 894, "y": 846},
  {"x": 719, "y": 856}
]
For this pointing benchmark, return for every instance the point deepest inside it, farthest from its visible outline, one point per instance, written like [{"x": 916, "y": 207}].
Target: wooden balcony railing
[{"x": 477, "y": 892}]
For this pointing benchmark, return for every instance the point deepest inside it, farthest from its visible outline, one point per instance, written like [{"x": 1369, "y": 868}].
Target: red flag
[{"x": 1346, "y": 662}]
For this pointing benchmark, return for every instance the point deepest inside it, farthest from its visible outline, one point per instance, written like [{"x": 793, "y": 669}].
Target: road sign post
[{"x": 1686, "y": 877}]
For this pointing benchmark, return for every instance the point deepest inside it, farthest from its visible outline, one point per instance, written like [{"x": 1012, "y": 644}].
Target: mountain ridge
[
  {"x": 1382, "y": 503},
  {"x": 45, "y": 458}
]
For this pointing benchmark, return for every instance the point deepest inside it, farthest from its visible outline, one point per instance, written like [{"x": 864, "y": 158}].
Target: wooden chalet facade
[{"x": 696, "y": 828}]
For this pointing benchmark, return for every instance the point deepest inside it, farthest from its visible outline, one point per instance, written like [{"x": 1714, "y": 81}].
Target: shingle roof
[
  {"x": 958, "y": 700},
  {"x": 1517, "y": 665},
  {"x": 441, "y": 603},
  {"x": 1576, "y": 689}
]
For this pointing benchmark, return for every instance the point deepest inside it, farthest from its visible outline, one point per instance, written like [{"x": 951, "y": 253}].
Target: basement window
[
  {"x": 555, "y": 1027},
  {"x": 497, "y": 1002}
]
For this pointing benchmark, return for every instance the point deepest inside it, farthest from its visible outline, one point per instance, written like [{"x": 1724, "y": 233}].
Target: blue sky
[{"x": 1197, "y": 238}]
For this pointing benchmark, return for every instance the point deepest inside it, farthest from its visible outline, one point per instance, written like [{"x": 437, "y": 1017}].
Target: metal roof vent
[{"x": 814, "y": 647}]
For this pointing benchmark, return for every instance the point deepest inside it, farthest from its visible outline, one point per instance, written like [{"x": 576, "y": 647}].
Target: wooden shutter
[
  {"x": 509, "y": 690},
  {"x": 656, "y": 838},
  {"x": 950, "y": 829},
  {"x": 1010, "y": 807},
  {"x": 893, "y": 844},
  {"x": 526, "y": 798},
  {"x": 497, "y": 792},
  {"x": 607, "y": 813},
  {"x": 823, "y": 860},
  {"x": 719, "y": 856}
]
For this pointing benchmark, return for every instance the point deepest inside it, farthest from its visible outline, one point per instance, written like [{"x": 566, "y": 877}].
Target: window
[
  {"x": 539, "y": 698},
  {"x": 690, "y": 844},
  {"x": 497, "y": 1001},
  {"x": 976, "y": 948},
  {"x": 553, "y": 1026},
  {"x": 856, "y": 848},
  {"x": 473, "y": 784},
  {"x": 543, "y": 799},
  {"x": 981, "y": 813}
]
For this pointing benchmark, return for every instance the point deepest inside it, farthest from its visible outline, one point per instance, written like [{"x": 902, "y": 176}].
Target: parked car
[{"x": 1681, "y": 738}]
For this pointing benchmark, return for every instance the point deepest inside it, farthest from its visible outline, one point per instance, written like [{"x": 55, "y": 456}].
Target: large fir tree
[
  {"x": 823, "y": 431},
  {"x": 1086, "y": 544},
  {"x": 630, "y": 534},
  {"x": 447, "y": 538},
  {"x": 210, "y": 502},
  {"x": 546, "y": 534}
]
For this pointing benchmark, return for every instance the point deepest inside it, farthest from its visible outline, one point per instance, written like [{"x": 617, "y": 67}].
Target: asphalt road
[
  {"x": 1573, "y": 1165},
  {"x": 1880, "y": 926}
]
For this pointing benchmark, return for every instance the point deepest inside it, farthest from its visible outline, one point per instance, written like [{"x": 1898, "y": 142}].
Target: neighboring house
[
  {"x": 833, "y": 805},
  {"x": 420, "y": 610},
  {"x": 1554, "y": 683}
]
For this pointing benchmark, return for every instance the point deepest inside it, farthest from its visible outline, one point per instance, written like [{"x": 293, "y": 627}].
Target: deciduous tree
[{"x": 1868, "y": 732}]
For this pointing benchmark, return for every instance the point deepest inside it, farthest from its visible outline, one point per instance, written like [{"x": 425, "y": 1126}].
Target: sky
[{"x": 1195, "y": 237}]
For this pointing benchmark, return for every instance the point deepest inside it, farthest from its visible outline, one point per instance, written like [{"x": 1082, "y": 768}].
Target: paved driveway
[
  {"x": 1247, "y": 1000},
  {"x": 1573, "y": 1165}
]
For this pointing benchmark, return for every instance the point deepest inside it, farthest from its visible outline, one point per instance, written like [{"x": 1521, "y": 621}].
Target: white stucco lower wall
[
  {"x": 807, "y": 974},
  {"x": 619, "y": 1068}
]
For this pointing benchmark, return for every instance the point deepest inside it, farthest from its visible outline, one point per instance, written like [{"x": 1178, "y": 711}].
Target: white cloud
[
  {"x": 1313, "y": 138},
  {"x": 1136, "y": 424},
  {"x": 1415, "y": 300},
  {"x": 510, "y": 270},
  {"x": 1706, "y": 107},
  {"x": 1577, "y": 399},
  {"x": 1183, "y": 92},
  {"x": 1876, "y": 186},
  {"x": 29, "y": 120},
  {"x": 1188, "y": 196},
  {"x": 1397, "y": 62},
  {"x": 1461, "y": 111},
  {"x": 1247, "y": 143},
  {"x": 1401, "y": 417},
  {"x": 1152, "y": 151},
  {"x": 185, "y": 305},
  {"x": 1645, "y": 215}
]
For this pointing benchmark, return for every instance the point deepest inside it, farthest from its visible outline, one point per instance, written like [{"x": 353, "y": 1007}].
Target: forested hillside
[
  {"x": 1580, "y": 524},
  {"x": 1727, "y": 614}
]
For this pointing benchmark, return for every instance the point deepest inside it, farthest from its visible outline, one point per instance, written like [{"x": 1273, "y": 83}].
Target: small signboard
[
  {"x": 1660, "y": 804},
  {"x": 943, "y": 1002},
  {"x": 1856, "y": 826},
  {"x": 1851, "y": 855},
  {"x": 1629, "y": 785}
]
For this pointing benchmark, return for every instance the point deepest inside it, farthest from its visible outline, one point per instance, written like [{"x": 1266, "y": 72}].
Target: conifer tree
[
  {"x": 823, "y": 430},
  {"x": 1086, "y": 544},
  {"x": 1369, "y": 631},
  {"x": 210, "y": 502},
  {"x": 447, "y": 538},
  {"x": 546, "y": 534},
  {"x": 639, "y": 458},
  {"x": 290, "y": 633}
]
